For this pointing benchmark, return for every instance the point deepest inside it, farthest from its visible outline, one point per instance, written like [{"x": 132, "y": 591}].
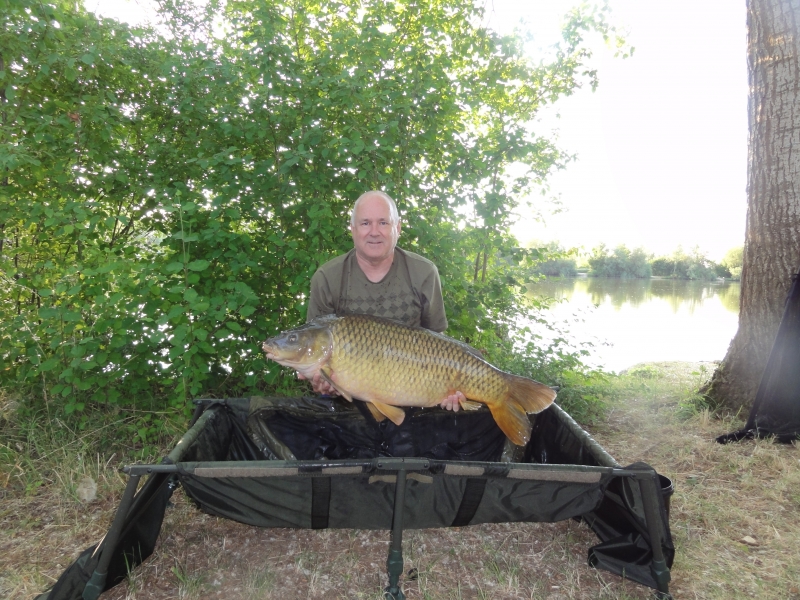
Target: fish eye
[{"x": 292, "y": 337}]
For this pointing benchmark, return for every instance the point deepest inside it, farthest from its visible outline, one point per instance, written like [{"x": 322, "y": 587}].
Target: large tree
[{"x": 772, "y": 239}]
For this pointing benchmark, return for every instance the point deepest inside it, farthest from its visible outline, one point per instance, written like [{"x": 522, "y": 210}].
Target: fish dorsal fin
[
  {"x": 324, "y": 319},
  {"x": 463, "y": 345},
  {"x": 395, "y": 414},
  {"x": 326, "y": 376}
]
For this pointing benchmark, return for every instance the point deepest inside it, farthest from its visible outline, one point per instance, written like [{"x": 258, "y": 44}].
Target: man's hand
[
  {"x": 320, "y": 386},
  {"x": 453, "y": 402}
]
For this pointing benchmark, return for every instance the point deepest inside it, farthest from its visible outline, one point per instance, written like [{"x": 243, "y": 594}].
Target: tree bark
[{"x": 772, "y": 235}]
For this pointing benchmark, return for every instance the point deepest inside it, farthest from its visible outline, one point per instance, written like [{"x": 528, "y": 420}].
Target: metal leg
[
  {"x": 659, "y": 569},
  {"x": 394, "y": 562},
  {"x": 94, "y": 587}
]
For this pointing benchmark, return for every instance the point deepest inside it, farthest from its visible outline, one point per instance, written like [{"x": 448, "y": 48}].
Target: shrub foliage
[{"x": 167, "y": 192}]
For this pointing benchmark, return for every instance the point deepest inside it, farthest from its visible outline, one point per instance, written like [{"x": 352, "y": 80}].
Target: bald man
[{"x": 378, "y": 278}]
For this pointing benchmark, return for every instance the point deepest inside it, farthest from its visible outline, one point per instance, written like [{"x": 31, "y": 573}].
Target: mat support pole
[
  {"x": 94, "y": 587},
  {"x": 659, "y": 569},
  {"x": 394, "y": 562}
]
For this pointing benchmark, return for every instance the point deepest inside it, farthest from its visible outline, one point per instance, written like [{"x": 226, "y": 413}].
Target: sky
[{"x": 661, "y": 146}]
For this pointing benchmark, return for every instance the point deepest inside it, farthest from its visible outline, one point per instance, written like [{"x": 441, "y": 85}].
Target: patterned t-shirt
[{"x": 411, "y": 291}]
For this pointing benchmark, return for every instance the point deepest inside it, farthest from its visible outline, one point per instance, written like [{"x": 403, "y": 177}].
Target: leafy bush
[
  {"x": 620, "y": 262},
  {"x": 167, "y": 194},
  {"x": 733, "y": 261},
  {"x": 680, "y": 265},
  {"x": 553, "y": 260}
]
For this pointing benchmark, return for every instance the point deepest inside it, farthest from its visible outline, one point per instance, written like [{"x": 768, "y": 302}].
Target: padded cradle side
[
  {"x": 620, "y": 521},
  {"x": 139, "y": 526},
  {"x": 360, "y": 494}
]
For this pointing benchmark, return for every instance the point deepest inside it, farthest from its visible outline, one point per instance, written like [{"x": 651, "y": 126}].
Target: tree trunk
[{"x": 772, "y": 236}]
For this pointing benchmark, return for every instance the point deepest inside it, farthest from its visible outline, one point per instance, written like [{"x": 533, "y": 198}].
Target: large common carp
[{"x": 389, "y": 364}]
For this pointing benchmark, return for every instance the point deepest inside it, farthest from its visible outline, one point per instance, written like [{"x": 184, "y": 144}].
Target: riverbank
[{"x": 733, "y": 520}]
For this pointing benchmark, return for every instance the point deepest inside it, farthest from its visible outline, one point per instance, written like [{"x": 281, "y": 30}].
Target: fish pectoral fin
[
  {"x": 470, "y": 405},
  {"x": 395, "y": 414},
  {"x": 326, "y": 376},
  {"x": 378, "y": 415}
]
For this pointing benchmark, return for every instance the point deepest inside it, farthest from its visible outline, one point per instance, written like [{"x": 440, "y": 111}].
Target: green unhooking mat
[{"x": 325, "y": 463}]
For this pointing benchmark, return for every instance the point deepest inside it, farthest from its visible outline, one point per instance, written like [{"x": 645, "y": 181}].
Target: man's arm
[
  {"x": 320, "y": 299},
  {"x": 433, "y": 314}
]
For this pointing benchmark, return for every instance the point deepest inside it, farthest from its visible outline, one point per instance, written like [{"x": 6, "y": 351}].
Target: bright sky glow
[{"x": 661, "y": 145}]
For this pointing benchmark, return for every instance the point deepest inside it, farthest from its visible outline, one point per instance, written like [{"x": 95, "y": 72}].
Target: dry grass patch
[
  {"x": 723, "y": 493},
  {"x": 225, "y": 559}
]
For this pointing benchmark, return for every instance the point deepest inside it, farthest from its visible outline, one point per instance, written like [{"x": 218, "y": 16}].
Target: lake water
[{"x": 631, "y": 321}]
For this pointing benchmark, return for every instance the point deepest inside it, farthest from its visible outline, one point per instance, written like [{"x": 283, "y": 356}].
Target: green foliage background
[
  {"x": 619, "y": 262},
  {"x": 692, "y": 265},
  {"x": 167, "y": 193}
]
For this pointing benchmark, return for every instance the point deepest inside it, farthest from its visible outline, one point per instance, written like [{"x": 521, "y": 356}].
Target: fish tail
[
  {"x": 532, "y": 396},
  {"x": 524, "y": 396}
]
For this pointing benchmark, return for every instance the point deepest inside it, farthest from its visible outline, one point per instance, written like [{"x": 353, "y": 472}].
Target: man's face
[{"x": 374, "y": 236}]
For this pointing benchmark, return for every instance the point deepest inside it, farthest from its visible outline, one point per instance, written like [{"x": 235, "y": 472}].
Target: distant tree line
[{"x": 624, "y": 263}]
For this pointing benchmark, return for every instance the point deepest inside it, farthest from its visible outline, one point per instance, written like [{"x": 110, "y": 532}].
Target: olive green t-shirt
[{"x": 411, "y": 291}]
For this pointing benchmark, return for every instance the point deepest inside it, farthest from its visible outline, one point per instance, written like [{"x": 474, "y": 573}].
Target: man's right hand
[{"x": 319, "y": 385}]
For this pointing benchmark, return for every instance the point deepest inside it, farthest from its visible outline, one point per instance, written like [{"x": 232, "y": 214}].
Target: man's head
[{"x": 375, "y": 225}]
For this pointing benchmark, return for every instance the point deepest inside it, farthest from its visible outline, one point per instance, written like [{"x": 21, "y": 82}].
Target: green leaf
[
  {"x": 175, "y": 311},
  {"x": 49, "y": 364},
  {"x": 246, "y": 311},
  {"x": 198, "y": 265}
]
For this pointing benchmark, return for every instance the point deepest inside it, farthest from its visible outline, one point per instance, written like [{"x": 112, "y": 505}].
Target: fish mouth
[
  {"x": 273, "y": 353},
  {"x": 296, "y": 365}
]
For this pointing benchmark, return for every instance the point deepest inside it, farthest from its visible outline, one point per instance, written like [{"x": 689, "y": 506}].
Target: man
[{"x": 378, "y": 278}]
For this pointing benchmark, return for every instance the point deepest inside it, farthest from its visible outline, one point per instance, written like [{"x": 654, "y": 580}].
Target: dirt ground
[{"x": 720, "y": 495}]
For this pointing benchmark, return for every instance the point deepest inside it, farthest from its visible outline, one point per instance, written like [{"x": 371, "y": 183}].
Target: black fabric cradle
[{"x": 325, "y": 463}]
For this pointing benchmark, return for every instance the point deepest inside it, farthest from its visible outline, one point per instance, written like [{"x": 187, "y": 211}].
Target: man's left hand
[{"x": 453, "y": 402}]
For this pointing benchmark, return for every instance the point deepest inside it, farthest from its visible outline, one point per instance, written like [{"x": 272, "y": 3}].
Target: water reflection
[
  {"x": 643, "y": 320},
  {"x": 618, "y": 292}
]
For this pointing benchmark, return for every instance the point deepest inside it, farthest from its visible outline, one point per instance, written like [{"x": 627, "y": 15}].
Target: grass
[
  {"x": 733, "y": 519},
  {"x": 723, "y": 494}
]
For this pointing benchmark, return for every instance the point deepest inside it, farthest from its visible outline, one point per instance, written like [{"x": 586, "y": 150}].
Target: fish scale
[{"x": 375, "y": 354}]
